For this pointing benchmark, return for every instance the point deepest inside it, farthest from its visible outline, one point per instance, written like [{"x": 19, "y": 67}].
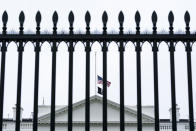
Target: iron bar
[
  {"x": 155, "y": 68},
  {"x": 138, "y": 50},
  {"x": 19, "y": 78},
  {"x": 37, "y": 50},
  {"x": 54, "y": 49},
  {"x": 156, "y": 91},
  {"x": 172, "y": 68},
  {"x": 36, "y": 87},
  {"x": 70, "y": 88},
  {"x": 70, "y": 84},
  {"x": 19, "y": 86},
  {"x": 53, "y": 88},
  {"x": 121, "y": 50},
  {"x": 2, "y": 79},
  {"x": 173, "y": 91},
  {"x": 87, "y": 104},
  {"x": 190, "y": 90},
  {"x": 104, "y": 50},
  {"x": 98, "y": 37},
  {"x": 139, "y": 106},
  {"x": 122, "y": 115},
  {"x": 188, "y": 48},
  {"x": 87, "y": 49}
]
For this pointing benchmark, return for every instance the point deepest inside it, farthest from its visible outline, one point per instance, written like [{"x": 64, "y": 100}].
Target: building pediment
[{"x": 95, "y": 113}]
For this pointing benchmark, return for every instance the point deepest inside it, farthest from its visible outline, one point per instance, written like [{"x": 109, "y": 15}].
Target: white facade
[{"x": 95, "y": 118}]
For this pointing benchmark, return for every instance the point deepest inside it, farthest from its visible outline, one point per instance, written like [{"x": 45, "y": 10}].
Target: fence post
[
  {"x": 3, "y": 55},
  {"x": 19, "y": 78},
  {"x": 172, "y": 67},
  {"x": 70, "y": 84},
  {"x": 189, "y": 73},
  {"x": 54, "y": 49},
  {"x": 104, "y": 50},
  {"x": 155, "y": 68},
  {"x": 121, "y": 50},
  {"x": 37, "y": 49},
  {"x": 138, "y": 50},
  {"x": 87, "y": 50}
]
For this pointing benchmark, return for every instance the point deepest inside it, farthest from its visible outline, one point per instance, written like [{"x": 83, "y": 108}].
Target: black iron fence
[{"x": 70, "y": 39}]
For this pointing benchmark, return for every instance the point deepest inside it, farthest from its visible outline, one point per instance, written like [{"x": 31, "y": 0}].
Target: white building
[{"x": 96, "y": 118}]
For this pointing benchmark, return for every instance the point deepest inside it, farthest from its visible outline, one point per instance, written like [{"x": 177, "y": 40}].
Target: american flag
[{"x": 100, "y": 81}]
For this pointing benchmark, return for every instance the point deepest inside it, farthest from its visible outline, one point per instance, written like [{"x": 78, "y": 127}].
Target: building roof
[{"x": 99, "y": 99}]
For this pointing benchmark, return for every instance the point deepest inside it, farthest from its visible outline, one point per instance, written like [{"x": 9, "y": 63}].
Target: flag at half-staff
[{"x": 100, "y": 81}]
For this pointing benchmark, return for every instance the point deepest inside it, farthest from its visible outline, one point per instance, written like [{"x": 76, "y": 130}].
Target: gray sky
[{"x": 96, "y": 8}]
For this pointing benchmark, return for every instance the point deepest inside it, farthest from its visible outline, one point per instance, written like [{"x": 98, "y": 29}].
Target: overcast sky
[{"x": 96, "y": 8}]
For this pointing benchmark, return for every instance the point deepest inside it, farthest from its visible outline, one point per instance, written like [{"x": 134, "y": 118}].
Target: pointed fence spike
[
  {"x": 121, "y": 17},
  {"x": 38, "y": 17},
  {"x": 187, "y": 17},
  {"x": 55, "y": 18},
  {"x": 71, "y": 18},
  {"x": 21, "y": 17},
  {"x": 5, "y": 17},
  {"x": 137, "y": 17},
  {"x": 154, "y": 17},
  {"x": 87, "y": 18},
  {"x": 104, "y": 17},
  {"x": 171, "y": 17}
]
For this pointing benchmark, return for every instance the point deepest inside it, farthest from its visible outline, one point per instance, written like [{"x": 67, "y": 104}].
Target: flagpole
[{"x": 95, "y": 71}]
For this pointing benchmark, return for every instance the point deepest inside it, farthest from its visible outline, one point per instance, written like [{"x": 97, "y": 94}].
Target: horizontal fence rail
[{"x": 121, "y": 39}]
